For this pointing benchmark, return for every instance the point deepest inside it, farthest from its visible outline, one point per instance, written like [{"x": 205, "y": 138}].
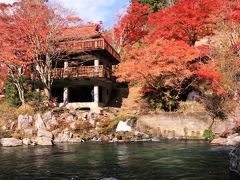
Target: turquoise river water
[{"x": 186, "y": 160}]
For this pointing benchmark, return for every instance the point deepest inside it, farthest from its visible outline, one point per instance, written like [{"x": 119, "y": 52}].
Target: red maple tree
[
  {"x": 131, "y": 26},
  {"x": 187, "y": 20},
  {"x": 162, "y": 58},
  {"x": 28, "y": 35}
]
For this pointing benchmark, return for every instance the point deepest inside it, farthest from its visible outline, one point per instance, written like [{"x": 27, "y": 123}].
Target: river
[{"x": 184, "y": 160}]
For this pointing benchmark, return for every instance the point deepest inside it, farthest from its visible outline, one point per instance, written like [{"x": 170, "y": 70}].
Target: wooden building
[{"x": 84, "y": 79}]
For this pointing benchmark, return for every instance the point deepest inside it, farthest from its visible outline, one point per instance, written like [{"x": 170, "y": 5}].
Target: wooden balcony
[
  {"x": 89, "y": 44},
  {"x": 82, "y": 71}
]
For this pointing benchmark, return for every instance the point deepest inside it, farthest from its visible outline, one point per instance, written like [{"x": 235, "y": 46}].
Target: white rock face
[
  {"x": 11, "y": 142},
  {"x": 122, "y": 126},
  {"x": 26, "y": 141}
]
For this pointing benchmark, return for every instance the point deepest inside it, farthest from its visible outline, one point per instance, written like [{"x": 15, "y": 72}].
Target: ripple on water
[{"x": 164, "y": 160}]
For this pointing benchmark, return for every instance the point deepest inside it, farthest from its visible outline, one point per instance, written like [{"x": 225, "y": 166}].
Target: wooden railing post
[{"x": 96, "y": 69}]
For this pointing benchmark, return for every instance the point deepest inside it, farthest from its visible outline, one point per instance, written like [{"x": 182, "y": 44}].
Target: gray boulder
[
  {"x": 44, "y": 137},
  {"x": 26, "y": 141},
  {"x": 69, "y": 118},
  {"x": 11, "y": 142},
  {"x": 234, "y": 164},
  {"x": 39, "y": 123},
  {"x": 49, "y": 119},
  {"x": 44, "y": 141},
  {"x": 24, "y": 121},
  {"x": 219, "y": 141},
  {"x": 44, "y": 133}
]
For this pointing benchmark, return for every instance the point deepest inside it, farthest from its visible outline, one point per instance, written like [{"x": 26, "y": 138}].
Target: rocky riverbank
[
  {"x": 70, "y": 126},
  {"x": 78, "y": 126}
]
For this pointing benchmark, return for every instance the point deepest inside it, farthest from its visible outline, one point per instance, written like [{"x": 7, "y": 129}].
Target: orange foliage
[{"x": 171, "y": 58}]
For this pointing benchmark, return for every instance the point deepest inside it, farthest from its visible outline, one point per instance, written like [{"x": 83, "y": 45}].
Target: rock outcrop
[
  {"x": 24, "y": 121},
  {"x": 7, "y": 142},
  {"x": 234, "y": 164},
  {"x": 44, "y": 138}
]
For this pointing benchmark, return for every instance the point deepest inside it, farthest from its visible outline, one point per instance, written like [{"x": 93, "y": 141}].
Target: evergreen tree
[{"x": 155, "y": 5}]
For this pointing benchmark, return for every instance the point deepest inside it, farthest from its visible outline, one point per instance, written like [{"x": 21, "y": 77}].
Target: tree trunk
[
  {"x": 20, "y": 93},
  {"x": 47, "y": 93},
  {"x": 16, "y": 74},
  {"x": 213, "y": 120}
]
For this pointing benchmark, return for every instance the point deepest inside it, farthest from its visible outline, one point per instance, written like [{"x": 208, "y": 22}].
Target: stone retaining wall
[{"x": 188, "y": 125}]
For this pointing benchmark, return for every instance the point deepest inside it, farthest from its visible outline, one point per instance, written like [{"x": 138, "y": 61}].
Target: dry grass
[
  {"x": 7, "y": 112},
  {"x": 191, "y": 106},
  {"x": 10, "y": 113},
  {"x": 25, "y": 110}
]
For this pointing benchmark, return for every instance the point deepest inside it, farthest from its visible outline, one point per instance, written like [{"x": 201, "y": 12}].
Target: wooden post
[{"x": 96, "y": 64}]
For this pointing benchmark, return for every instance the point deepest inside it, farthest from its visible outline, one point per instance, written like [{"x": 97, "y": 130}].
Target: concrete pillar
[
  {"x": 65, "y": 90},
  {"x": 96, "y": 64},
  {"x": 65, "y": 64},
  {"x": 96, "y": 94},
  {"x": 65, "y": 95}
]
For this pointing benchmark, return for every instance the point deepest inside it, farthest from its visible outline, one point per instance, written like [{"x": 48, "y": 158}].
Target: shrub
[
  {"x": 5, "y": 134},
  {"x": 26, "y": 109},
  {"x": 208, "y": 134},
  {"x": 7, "y": 112},
  {"x": 11, "y": 94}
]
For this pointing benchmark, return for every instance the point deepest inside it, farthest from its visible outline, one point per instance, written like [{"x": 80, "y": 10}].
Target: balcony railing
[
  {"x": 90, "y": 44},
  {"x": 82, "y": 71}
]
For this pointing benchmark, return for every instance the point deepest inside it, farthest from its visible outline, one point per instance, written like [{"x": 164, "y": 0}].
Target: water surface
[{"x": 156, "y": 160}]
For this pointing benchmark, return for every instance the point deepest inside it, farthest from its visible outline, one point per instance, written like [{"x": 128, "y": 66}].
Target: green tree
[{"x": 155, "y": 5}]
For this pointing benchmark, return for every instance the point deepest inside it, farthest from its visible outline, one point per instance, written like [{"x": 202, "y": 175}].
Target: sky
[{"x": 94, "y": 10}]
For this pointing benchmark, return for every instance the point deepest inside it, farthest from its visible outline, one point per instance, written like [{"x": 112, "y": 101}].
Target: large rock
[
  {"x": 44, "y": 133},
  {"x": 44, "y": 141},
  {"x": 11, "y": 142},
  {"x": 233, "y": 139},
  {"x": 219, "y": 141},
  {"x": 49, "y": 119},
  {"x": 85, "y": 116},
  {"x": 64, "y": 136},
  {"x": 26, "y": 141},
  {"x": 234, "y": 164},
  {"x": 122, "y": 126},
  {"x": 24, "y": 121},
  {"x": 39, "y": 123},
  {"x": 69, "y": 118}
]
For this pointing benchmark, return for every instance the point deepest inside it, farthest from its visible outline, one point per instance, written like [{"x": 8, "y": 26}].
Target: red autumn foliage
[
  {"x": 187, "y": 20},
  {"x": 3, "y": 76},
  {"x": 204, "y": 50},
  {"x": 166, "y": 58},
  {"x": 28, "y": 33},
  {"x": 208, "y": 72},
  {"x": 231, "y": 11},
  {"x": 130, "y": 28}
]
